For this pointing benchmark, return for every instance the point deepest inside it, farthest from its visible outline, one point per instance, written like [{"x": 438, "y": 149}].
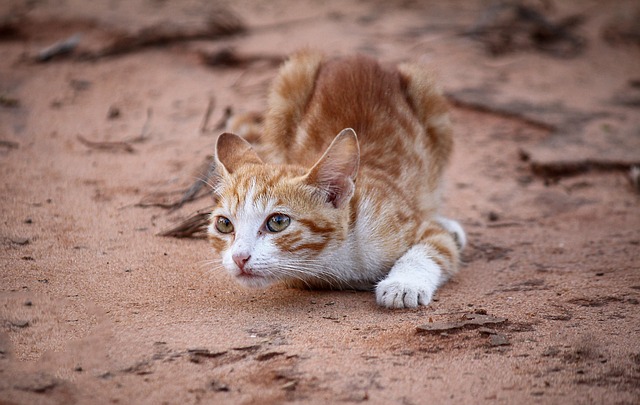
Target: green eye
[
  {"x": 223, "y": 225},
  {"x": 278, "y": 222}
]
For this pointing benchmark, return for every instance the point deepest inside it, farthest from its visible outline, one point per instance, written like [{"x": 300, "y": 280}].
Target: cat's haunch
[{"x": 356, "y": 210}]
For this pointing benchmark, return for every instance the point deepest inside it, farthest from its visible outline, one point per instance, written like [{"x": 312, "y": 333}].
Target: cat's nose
[{"x": 241, "y": 259}]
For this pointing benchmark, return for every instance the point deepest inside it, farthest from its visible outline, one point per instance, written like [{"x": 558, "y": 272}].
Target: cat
[{"x": 346, "y": 192}]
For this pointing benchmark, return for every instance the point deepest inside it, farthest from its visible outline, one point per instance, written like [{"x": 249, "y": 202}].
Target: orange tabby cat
[{"x": 346, "y": 211}]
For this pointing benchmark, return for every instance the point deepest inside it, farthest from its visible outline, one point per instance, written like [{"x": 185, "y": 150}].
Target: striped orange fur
[{"x": 346, "y": 190}]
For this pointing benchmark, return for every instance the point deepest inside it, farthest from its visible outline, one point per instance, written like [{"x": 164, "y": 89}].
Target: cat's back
[
  {"x": 315, "y": 98},
  {"x": 354, "y": 92}
]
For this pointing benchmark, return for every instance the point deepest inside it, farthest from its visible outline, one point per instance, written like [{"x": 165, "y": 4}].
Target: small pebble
[
  {"x": 114, "y": 112},
  {"x": 20, "y": 241},
  {"x": 498, "y": 340}
]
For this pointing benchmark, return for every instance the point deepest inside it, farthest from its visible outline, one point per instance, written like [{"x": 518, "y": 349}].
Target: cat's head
[{"x": 277, "y": 222}]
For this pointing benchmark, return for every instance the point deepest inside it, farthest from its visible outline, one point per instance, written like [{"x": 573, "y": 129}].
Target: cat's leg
[
  {"x": 455, "y": 229},
  {"x": 412, "y": 280},
  {"x": 416, "y": 276}
]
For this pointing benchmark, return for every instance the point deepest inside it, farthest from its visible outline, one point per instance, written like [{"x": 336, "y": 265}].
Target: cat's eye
[
  {"x": 278, "y": 222},
  {"x": 224, "y": 225}
]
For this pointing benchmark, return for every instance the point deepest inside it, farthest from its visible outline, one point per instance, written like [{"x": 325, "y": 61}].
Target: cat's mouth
[
  {"x": 252, "y": 280},
  {"x": 248, "y": 274}
]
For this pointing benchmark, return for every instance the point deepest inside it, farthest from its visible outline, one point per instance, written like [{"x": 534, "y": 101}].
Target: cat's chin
[{"x": 253, "y": 281}]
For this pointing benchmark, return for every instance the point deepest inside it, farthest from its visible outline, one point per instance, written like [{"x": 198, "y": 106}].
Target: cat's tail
[
  {"x": 290, "y": 95},
  {"x": 431, "y": 108}
]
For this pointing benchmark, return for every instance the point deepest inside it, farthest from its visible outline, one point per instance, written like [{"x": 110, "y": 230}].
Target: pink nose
[{"x": 241, "y": 259}]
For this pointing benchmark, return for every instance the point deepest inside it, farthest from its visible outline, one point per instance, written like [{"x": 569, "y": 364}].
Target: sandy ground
[{"x": 96, "y": 308}]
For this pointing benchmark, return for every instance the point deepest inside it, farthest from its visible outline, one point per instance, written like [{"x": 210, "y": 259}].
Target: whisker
[
  {"x": 304, "y": 270},
  {"x": 215, "y": 263},
  {"x": 318, "y": 272}
]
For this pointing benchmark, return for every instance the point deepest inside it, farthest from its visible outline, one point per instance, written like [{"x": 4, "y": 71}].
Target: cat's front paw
[{"x": 402, "y": 294}]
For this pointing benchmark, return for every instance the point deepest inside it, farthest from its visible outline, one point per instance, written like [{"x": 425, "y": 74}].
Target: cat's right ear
[
  {"x": 233, "y": 151},
  {"x": 335, "y": 173}
]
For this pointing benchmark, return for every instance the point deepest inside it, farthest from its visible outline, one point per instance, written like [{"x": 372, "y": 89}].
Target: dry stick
[
  {"x": 120, "y": 145},
  {"x": 476, "y": 106},
  {"x": 221, "y": 23},
  {"x": 144, "y": 131},
  {"x": 222, "y": 122},
  {"x": 207, "y": 115},
  {"x": 154, "y": 200},
  {"x": 59, "y": 48},
  {"x": 558, "y": 169},
  {"x": 193, "y": 227},
  {"x": 190, "y": 195},
  {"x": 195, "y": 188},
  {"x": 634, "y": 177},
  {"x": 108, "y": 146},
  {"x": 145, "y": 127},
  {"x": 9, "y": 144},
  {"x": 9, "y": 102},
  {"x": 228, "y": 57}
]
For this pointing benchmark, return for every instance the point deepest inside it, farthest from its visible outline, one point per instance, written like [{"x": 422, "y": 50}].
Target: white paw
[
  {"x": 394, "y": 293},
  {"x": 411, "y": 282}
]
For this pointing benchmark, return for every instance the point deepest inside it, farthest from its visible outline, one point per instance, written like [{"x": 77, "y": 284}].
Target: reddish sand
[{"x": 96, "y": 308}]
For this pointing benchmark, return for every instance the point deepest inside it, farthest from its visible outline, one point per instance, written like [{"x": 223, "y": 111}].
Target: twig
[
  {"x": 558, "y": 169},
  {"x": 193, "y": 227},
  {"x": 191, "y": 194},
  {"x": 207, "y": 115},
  {"x": 222, "y": 122},
  {"x": 59, "y": 48},
  {"x": 634, "y": 178},
  {"x": 221, "y": 23},
  {"x": 159, "y": 199},
  {"x": 145, "y": 129},
  {"x": 499, "y": 111},
  {"x": 504, "y": 224},
  {"x": 155, "y": 200},
  {"x": 230, "y": 58},
  {"x": 195, "y": 188},
  {"x": 9, "y": 102},
  {"x": 9, "y": 144},
  {"x": 107, "y": 146}
]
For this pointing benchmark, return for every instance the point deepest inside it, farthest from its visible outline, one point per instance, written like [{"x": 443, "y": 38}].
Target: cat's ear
[
  {"x": 233, "y": 151},
  {"x": 335, "y": 173}
]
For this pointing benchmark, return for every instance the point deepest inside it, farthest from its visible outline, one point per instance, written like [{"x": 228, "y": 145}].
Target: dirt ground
[{"x": 95, "y": 307}]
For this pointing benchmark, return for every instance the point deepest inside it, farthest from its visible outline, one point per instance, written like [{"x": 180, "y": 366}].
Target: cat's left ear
[
  {"x": 335, "y": 173},
  {"x": 233, "y": 151}
]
